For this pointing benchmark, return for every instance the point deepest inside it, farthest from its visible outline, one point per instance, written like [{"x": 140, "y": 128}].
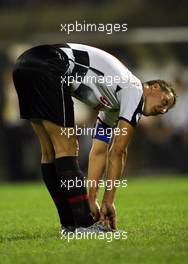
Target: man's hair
[{"x": 165, "y": 87}]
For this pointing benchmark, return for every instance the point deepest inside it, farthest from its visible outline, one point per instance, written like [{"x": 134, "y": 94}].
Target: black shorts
[{"x": 37, "y": 77}]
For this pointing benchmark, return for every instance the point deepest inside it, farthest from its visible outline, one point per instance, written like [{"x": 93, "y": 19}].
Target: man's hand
[
  {"x": 97, "y": 163},
  {"x": 108, "y": 215},
  {"x": 95, "y": 209},
  {"x": 116, "y": 162}
]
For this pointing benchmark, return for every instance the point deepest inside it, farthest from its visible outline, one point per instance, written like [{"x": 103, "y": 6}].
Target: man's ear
[
  {"x": 157, "y": 86},
  {"x": 156, "y": 89}
]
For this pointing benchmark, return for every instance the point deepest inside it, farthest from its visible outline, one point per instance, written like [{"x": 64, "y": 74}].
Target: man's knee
[
  {"x": 47, "y": 149},
  {"x": 65, "y": 147},
  {"x": 48, "y": 154},
  {"x": 64, "y": 144}
]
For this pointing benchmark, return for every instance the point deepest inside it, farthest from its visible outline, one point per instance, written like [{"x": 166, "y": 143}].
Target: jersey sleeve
[{"x": 131, "y": 103}]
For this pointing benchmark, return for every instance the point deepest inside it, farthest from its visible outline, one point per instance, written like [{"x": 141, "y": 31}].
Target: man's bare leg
[
  {"x": 50, "y": 176},
  {"x": 68, "y": 171}
]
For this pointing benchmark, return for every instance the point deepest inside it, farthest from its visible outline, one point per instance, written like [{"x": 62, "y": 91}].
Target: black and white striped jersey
[{"x": 101, "y": 81}]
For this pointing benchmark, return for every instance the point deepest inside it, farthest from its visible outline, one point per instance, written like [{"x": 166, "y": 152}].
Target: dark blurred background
[{"x": 154, "y": 47}]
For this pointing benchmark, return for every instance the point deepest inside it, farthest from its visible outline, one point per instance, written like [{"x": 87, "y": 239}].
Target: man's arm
[
  {"x": 97, "y": 163},
  {"x": 116, "y": 162}
]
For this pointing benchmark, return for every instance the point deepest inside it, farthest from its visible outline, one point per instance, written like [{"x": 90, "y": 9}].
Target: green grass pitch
[{"x": 154, "y": 212}]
